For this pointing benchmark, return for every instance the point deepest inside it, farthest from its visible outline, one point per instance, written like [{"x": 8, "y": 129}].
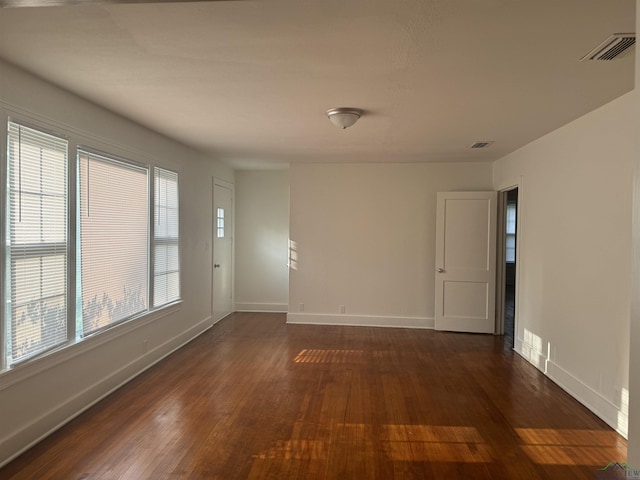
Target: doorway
[{"x": 508, "y": 263}]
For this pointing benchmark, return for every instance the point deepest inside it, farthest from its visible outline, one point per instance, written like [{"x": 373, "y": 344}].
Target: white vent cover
[
  {"x": 481, "y": 145},
  {"x": 612, "y": 47}
]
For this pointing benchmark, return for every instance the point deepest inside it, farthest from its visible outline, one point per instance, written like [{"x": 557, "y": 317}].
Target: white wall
[
  {"x": 574, "y": 273},
  {"x": 633, "y": 445},
  {"x": 262, "y": 240},
  {"x": 37, "y": 397},
  {"x": 363, "y": 236}
]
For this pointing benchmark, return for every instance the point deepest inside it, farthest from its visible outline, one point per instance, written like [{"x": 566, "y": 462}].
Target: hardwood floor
[
  {"x": 509, "y": 316},
  {"x": 254, "y": 398}
]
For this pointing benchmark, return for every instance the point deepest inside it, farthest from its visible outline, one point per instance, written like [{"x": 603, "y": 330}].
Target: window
[
  {"x": 113, "y": 228},
  {"x": 166, "y": 275},
  {"x": 220, "y": 223},
  {"x": 510, "y": 250},
  {"x": 36, "y": 242},
  {"x": 54, "y": 296}
]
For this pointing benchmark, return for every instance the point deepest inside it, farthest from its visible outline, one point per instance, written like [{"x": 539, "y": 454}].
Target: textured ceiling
[{"x": 249, "y": 81}]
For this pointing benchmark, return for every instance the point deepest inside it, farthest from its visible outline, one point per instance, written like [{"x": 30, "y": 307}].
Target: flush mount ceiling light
[{"x": 344, "y": 117}]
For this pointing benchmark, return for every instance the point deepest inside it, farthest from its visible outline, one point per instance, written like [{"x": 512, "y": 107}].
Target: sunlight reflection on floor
[{"x": 462, "y": 444}]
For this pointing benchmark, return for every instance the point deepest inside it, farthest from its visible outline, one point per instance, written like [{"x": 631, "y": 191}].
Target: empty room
[{"x": 319, "y": 240}]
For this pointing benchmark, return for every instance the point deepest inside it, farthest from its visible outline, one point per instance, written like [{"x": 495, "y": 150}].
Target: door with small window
[{"x": 222, "y": 250}]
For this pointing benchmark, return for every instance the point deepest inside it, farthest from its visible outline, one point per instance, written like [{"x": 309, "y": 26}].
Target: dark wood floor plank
[{"x": 255, "y": 398}]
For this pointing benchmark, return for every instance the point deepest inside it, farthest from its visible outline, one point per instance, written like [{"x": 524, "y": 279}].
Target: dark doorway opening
[{"x": 510, "y": 256}]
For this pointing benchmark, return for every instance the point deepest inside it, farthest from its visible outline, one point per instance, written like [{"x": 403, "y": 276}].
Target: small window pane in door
[{"x": 220, "y": 222}]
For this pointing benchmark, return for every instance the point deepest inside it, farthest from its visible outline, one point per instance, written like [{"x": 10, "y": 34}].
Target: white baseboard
[
  {"x": 17, "y": 442},
  {"x": 360, "y": 320},
  {"x": 605, "y": 409},
  {"x": 593, "y": 400},
  {"x": 261, "y": 307},
  {"x": 531, "y": 354}
]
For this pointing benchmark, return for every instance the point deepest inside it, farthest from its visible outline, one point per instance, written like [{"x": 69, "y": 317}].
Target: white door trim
[{"x": 500, "y": 266}]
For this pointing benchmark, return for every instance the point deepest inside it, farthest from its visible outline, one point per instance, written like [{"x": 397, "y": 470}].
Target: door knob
[
  {"x": 441, "y": 270},
  {"x": 216, "y": 265}
]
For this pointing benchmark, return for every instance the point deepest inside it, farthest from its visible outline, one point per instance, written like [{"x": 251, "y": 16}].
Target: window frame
[
  {"x": 510, "y": 236},
  {"x": 155, "y": 241},
  {"x": 74, "y": 344},
  {"x": 29, "y": 250},
  {"x": 129, "y": 164}
]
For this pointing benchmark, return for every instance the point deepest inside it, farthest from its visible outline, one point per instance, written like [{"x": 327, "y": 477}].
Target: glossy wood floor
[{"x": 254, "y": 398}]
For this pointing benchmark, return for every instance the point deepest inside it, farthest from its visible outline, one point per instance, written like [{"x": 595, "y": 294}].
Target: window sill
[{"x": 70, "y": 350}]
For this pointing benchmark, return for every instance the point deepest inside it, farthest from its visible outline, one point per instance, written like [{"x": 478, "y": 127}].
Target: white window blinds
[
  {"x": 113, "y": 233},
  {"x": 166, "y": 276},
  {"x": 37, "y": 242}
]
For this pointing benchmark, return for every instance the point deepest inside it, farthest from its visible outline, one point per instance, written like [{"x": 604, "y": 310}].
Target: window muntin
[
  {"x": 36, "y": 242},
  {"x": 113, "y": 240},
  {"x": 166, "y": 276}
]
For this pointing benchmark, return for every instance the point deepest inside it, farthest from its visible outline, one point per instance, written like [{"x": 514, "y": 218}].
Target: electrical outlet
[
  {"x": 145, "y": 346},
  {"x": 301, "y": 307},
  {"x": 341, "y": 308}
]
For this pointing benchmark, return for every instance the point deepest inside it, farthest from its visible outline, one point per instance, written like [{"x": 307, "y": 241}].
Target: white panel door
[
  {"x": 222, "y": 251},
  {"x": 466, "y": 261}
]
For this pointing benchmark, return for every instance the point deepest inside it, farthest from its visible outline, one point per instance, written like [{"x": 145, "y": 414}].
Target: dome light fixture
[{"x": 344, "y": 117}]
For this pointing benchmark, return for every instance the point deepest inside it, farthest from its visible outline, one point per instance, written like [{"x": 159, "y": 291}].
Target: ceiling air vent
[
  {"x": 612, "y": 47},
  {"x": 481, "y": 145}
]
